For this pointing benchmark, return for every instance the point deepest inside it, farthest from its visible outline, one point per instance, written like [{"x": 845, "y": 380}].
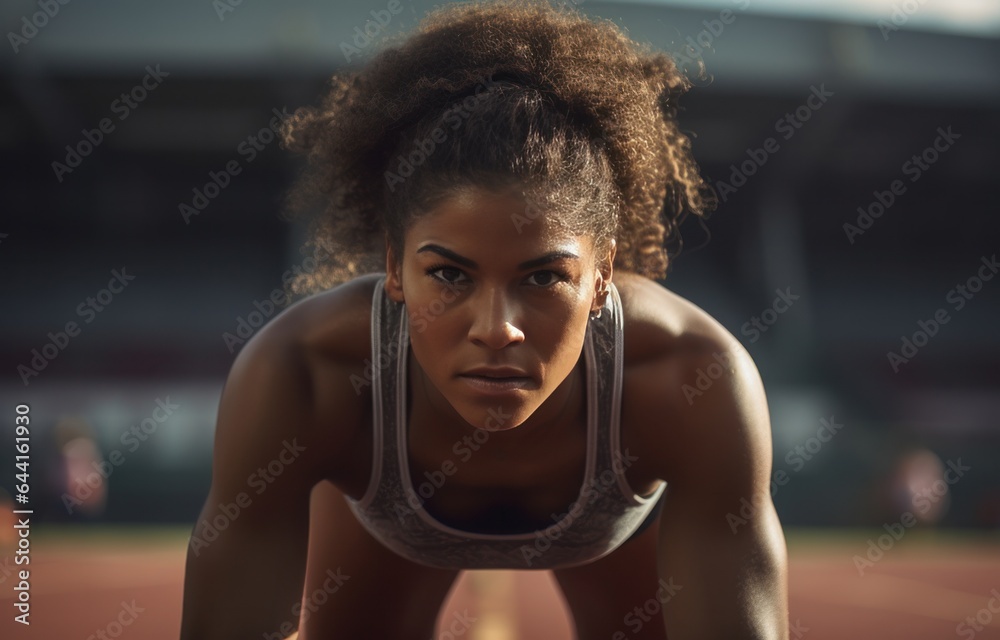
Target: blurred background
[{"x": 854, "y": 254}]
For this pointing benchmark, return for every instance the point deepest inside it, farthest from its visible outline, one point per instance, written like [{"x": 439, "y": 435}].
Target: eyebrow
[{"x": 528, "y": 264}]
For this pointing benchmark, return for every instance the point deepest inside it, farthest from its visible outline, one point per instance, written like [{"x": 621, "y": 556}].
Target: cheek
[
  {"x": 434, "y": 334},
  {"x": 560, "y": 323},
  {"x": 430, "y": 311},
  {"x": 559, "y": 344}
]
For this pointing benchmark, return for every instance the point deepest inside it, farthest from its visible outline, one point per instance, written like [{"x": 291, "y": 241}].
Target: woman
[{"x": 515, "y": 390}]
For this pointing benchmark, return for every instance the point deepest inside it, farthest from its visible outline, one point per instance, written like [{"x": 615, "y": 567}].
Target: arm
[
  {"x": 731, "y": 569},
  {"x": 246, "y": 558}
]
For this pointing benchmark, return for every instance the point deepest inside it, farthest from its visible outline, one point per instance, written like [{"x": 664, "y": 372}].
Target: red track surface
[{"x": 919, "y": 590}]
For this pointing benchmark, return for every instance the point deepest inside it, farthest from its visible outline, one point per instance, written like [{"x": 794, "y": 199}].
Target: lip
[
  {"x": 493, "y": 385},
  {"x": 496, "y": 372}
]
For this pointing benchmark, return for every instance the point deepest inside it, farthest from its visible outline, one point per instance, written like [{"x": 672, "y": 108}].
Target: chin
[{"x": 495, "y": 415}]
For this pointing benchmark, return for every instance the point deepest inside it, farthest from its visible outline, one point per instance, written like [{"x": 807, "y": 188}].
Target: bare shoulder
[
  {"x": 333, "y": 326},
  {"x": 659, "y": 322},
  {"x": 692, "y": 391},
  {"x": 326, "y": 339}
]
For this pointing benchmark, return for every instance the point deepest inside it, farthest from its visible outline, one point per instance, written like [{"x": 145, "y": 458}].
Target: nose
[{"x": 495, "y": 322}]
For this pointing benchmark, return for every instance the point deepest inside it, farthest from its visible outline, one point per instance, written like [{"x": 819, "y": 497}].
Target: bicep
[
  {"x": 247, "y": 551},
  {"x": 720, "y": 537},
  {"x": 263, "y": 464},
  {"x": 732, "y": 582}
]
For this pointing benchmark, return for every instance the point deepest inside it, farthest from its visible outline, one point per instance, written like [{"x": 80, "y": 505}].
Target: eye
[
  {"x": 549, "y": 277},
  {"x": 450, "y": 275}
]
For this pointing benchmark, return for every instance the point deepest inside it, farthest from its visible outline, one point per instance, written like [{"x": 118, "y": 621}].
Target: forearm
[
  {"x": 228, "y": 595},
  {"x": 732, "y": 586}
]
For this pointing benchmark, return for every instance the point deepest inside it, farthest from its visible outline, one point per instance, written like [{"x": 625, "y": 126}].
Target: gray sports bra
[{"x": 603, "y": 516}]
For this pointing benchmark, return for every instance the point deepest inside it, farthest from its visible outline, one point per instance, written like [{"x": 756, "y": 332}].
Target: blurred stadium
[{"x": 853, "y": 254}]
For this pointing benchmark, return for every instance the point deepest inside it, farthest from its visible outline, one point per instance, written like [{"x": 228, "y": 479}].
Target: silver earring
[{"x": 597, "y": 313}]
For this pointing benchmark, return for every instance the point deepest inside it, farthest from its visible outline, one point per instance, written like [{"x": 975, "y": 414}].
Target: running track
[{"x": 920, "y": 590}]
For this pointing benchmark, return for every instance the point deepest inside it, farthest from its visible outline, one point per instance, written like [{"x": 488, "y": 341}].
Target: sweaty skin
[{"x": 711, "y": 443}]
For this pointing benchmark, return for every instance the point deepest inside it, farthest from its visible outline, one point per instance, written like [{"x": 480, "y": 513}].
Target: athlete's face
[{"x": 488, "y": 288}]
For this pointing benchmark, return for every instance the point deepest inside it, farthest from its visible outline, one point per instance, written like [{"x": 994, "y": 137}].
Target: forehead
[{"x": 492, "y": 222}]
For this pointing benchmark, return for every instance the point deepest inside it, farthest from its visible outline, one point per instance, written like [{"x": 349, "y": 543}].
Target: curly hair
[{"x": 497, "y": 94}]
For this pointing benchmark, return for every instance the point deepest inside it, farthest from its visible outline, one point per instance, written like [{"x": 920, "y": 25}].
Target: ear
[
  {"x": 393, "y": 274},
  {"x": 605, "y": 270}
]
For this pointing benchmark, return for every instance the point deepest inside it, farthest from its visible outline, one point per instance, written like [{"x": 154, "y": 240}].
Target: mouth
[
  {"x": 497, "y": 384},
  {"x": 496, "y": 372}
]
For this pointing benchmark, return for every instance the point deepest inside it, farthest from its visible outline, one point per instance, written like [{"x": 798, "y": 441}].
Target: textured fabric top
[{"x": 603, "y": 516}]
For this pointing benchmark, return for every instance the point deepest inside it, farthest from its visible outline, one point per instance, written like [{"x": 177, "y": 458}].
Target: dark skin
[{"x": 294, "y": 379}]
